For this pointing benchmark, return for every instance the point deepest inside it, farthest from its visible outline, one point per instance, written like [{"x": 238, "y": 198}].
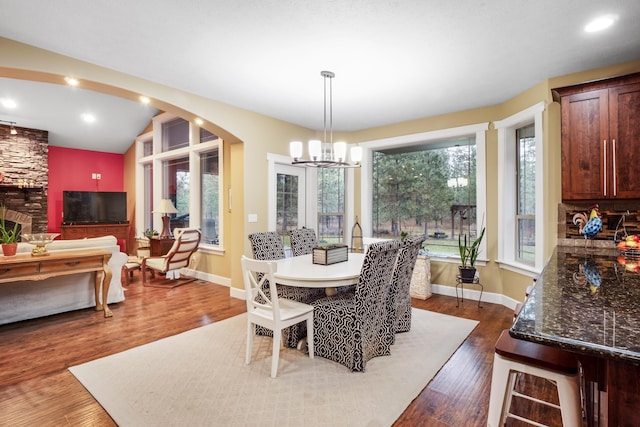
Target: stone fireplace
[
  {"x": 23, "y": 220},
  {"x": 24, "y": 169}
]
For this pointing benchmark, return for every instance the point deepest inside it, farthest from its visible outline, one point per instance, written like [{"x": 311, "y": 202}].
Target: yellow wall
[{"x": 250, "y": 136}]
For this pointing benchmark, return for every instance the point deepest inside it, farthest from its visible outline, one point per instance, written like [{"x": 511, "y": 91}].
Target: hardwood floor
[{"x": 37, "y": 389}]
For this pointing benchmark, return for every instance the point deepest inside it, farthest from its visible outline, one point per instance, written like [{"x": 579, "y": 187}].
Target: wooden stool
[{"x": 513, "y": 356}]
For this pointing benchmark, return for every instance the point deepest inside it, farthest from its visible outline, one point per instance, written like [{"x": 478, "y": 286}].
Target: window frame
[
  {"x": 507, "y": 187},
  {"x": 475, "y": 130},
  {"x": 156, "y": 159}
]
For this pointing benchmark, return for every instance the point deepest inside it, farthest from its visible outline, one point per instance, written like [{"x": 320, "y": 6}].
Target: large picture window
[
  {"x": 426, "y": 189},
  {"x": 181, "y": 162},
  {"x": 331, "y": 205}
]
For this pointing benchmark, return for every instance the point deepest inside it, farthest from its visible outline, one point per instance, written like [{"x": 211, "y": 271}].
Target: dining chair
[
  {"x": 185, "y": 245},
  {"x": 271, "y": 311},
  {"x": 303, "y": 240},
  {"x": 267, "y": 246},
  {"x": 400, "y": 292},
  {"x": 352, "y": 328}
]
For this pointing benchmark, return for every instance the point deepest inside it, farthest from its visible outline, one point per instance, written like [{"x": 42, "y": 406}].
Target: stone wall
[{"x": 25, "y": 172}]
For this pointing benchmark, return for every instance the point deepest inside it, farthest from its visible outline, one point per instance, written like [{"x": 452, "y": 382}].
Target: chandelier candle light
[{"x": 326, "y": 154}]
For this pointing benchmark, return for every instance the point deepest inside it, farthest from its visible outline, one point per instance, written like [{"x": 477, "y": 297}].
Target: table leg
[{"x": 103, "y": 281}]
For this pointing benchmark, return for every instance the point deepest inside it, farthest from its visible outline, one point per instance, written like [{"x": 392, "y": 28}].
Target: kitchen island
[{"x": 588, "y": 301}]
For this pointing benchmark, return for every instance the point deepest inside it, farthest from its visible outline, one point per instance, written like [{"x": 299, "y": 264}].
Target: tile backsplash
[{"x": 611, "y": 215}]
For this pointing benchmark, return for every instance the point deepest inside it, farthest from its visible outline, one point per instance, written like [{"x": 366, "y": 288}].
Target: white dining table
[{"x": 302, "y": 272}]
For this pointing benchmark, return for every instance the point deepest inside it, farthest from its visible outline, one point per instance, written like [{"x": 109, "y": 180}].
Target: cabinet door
[
  {"x": 624, "y": 117},
  {"x": 585, "y": 147}
]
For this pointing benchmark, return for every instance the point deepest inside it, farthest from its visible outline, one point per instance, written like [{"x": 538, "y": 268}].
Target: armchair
[{"x": 187, "y": 241}]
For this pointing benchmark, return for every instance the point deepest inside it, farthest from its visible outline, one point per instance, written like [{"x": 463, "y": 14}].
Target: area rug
[{"x": 199, "y": 378}]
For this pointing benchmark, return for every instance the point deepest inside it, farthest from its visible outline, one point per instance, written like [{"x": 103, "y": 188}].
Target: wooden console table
[{"x": 28, "y": 267}]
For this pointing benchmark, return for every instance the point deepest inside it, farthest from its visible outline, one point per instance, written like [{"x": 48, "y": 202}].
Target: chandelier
[{"x": 326, "y": 154}]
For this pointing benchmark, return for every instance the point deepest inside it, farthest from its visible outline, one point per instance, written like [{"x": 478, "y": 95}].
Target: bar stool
[{"x": 513, "y": 356}]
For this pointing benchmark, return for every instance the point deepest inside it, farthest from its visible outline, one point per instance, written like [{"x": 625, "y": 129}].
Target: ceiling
[{"x": 394, "y": 60}]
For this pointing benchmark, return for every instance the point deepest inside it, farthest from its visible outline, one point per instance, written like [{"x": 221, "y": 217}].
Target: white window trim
[
  {"x": 478, "y": 130},
  {"x": 312, "y": 195},
  {"x": 507, "y": 189},
  {"x": 192, "y": 151}
]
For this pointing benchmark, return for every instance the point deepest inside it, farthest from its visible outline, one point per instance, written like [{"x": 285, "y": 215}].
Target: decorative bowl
[{"x": 41, "y": 240}]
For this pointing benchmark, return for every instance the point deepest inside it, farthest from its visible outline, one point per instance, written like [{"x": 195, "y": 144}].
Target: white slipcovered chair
[
  {"x": 269, "y": 310},
  {"x": 185, "y": 245}
]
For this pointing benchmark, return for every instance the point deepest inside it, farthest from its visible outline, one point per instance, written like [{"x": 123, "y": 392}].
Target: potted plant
[
  {"x": 8, "y": 237},
  {"x": 468, "y": 255}
]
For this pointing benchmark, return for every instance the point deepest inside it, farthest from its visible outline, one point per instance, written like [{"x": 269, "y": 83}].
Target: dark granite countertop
[{"x": 586, "y": 301}]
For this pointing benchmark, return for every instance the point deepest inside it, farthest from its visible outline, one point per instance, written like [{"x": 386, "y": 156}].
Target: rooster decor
[{"x": 590, "y": 226}]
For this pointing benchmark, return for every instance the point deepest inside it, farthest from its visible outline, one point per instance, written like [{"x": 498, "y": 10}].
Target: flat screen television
[{"x": 94, "y": 207}]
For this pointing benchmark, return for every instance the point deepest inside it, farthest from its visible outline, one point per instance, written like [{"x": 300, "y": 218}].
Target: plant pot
[
  {"x": 9, "y": 249},
  {"x": 467, "y": 274}
]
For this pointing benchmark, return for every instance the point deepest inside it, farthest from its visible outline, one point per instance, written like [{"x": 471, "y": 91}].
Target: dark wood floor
[{"x": 36, "y": 389}]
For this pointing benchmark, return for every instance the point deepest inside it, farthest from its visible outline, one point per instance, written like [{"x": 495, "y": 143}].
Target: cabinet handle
[
  {"x": 615, "y": 168},
  {"x": 604, "y": 151}
]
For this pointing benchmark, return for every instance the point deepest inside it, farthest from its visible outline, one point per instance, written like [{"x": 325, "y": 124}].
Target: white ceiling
[{"x": 395, "y": 60}]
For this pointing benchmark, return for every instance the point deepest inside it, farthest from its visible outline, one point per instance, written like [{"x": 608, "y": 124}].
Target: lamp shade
[{"x": 166, "y": 207}]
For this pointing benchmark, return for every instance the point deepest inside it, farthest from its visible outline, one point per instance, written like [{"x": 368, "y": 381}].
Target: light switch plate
[{"x": 253, "y": 218}]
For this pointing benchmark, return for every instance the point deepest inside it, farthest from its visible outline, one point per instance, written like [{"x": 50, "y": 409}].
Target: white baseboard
[
  {"x": 471, "y": 294},
  {"x": 474, "y": 294}
]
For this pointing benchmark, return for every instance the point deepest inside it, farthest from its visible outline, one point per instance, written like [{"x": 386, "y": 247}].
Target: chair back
[
  {"x": 257, "y": 276},
  {"x": 303, "y": 240},
  {"x": 372, "y": 293},
  {"x": 186, "y": 243},
  {"x": 400, "y": 289},
  {"x": 266, "y": 245}
]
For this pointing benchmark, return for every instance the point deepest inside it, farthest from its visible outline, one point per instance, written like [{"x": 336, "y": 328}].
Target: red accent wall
[{"x": 72, "y": 169}]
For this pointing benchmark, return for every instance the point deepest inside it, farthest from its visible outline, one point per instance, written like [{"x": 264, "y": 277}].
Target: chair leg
[
  {"x": 310, "y": 337},
  {"x": 277, "y": 342},
  {"x": 499, "y": 382},
  {"x": 250, "y": 333}
]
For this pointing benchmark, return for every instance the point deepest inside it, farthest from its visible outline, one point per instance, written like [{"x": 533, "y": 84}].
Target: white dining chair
[{"x": 270, "y": 311}]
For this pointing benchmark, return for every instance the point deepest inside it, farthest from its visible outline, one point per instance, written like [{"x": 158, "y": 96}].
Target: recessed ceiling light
[
  {"x": 199, "y": 121},
  {"x": 88, "y": 117},
  {"x": 9, "y": 103},
  {"x": 600, "y": 23},
  {"x": 71, "y": 81},
  {"x": 144, "y": 99}
]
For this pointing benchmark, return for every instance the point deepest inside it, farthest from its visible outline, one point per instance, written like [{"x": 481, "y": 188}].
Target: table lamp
[{"x": 166, "y": 207}]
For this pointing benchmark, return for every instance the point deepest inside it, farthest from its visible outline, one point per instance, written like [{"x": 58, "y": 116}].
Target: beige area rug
[{"x": 199, "y": 378}]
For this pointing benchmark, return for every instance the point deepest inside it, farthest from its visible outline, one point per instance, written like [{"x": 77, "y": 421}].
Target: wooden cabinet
[
  {"x": 601, "y": 140},
  {"x": 81, "y": 231}
]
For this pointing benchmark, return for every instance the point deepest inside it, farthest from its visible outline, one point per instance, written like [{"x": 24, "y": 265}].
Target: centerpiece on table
[
  {"x": 40, "y": 240},
  {"x": 330, "y": 254}
]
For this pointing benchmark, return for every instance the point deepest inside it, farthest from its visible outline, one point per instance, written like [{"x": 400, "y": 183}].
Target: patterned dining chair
[
  {"x": 303, "y": 240},
  {"x": 352, "y": 328},
  {"x": 267, "y": 246},
  {"x": 400, "y": 292}
]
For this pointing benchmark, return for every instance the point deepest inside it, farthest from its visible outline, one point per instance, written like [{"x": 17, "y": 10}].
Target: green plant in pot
[
  {"x": 9, "y": 237},
  {"x": 468, "y": 254}
]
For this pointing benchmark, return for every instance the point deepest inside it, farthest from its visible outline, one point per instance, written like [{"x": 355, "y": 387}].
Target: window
[
  {"x": 209, "y": 196},
  {"x": 175, "y": 134},
  {"x": 186, "y": 171},
  {"x": 526, "y": 194},
  {"x": 432, "y": 183},
  {"x": 331, "y": 205},
  {"x": 426, "y": 189},
  {"x": 176, "y": 187},
  {"x": 521, "y": 206}
]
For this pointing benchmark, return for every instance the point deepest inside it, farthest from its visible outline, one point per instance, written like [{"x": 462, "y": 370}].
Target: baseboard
[{"x": 473, "y": 294}]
